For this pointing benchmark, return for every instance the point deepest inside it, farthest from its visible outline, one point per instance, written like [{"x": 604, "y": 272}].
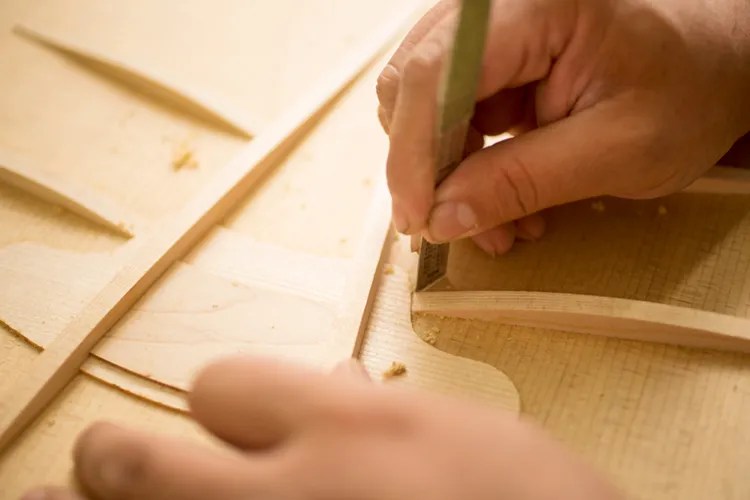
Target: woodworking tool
[{"x": 455, "y": 109}]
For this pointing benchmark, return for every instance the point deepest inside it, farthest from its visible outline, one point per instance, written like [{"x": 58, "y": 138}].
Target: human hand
[
  {"x": 627, "y": 98},
  {"x": 302, "y": 435}
]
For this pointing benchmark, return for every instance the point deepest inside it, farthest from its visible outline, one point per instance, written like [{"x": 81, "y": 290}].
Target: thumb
[{"x": 581, "y": 156}]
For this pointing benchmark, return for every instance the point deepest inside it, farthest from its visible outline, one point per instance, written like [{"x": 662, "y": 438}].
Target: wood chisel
[{"x": 456, "y": 104}]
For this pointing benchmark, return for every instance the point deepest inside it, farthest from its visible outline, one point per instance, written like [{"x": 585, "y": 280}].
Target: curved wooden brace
[
  {"x": 606, "y": 316},
  {"x": 77, "y": 200}
]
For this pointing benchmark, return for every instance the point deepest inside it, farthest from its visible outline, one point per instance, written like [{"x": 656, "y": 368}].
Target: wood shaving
[
  {"x": 184, "y": 158},
  {"x": 395, "y": 370},
  {"x": 598, "y": 206},
  {"x": 431, "y": 336}
]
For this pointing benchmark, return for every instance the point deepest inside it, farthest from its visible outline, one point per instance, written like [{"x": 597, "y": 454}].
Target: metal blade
[{"x": 456, "y": 107}]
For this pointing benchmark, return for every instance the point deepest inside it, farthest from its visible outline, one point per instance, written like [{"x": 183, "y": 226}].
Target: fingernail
[
  {"x": 486, "y": 246},
  {"x": 451, "y": 220},
  {"x": 530, "y": 229},
  {"x": 400, "y": 222}
]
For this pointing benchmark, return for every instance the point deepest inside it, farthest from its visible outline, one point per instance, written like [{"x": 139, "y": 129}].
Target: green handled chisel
[{"x": 456, "y": 104}]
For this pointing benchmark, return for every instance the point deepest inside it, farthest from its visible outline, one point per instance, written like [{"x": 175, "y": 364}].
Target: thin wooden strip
[
  {"x": 364, "y": 278},
  {"x": 135, "y": 385},
  {"x": 19, "y": 174},
  {"x": 606, "y": 316},
  {"x": 54, "y": 368},
  {"x": 200, "y": 104}
]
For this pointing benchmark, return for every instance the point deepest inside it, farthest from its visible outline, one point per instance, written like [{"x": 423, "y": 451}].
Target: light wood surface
[
  {"x": 62, "y": 359},
  {"x": 664, "y": 422}
]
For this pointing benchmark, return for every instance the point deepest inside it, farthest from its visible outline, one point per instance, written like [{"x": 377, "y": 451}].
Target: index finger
[{"x": 387, "y": 86}]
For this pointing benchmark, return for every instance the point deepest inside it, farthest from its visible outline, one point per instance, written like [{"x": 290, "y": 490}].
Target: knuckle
[
  {"x": 386, "y": 84},
  {"x": 424, "y": 64},
  {"x": 515, "y": 189}
]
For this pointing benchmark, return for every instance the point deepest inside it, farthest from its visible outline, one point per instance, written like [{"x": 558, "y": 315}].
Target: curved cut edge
[{"x": 391, "y": 338}]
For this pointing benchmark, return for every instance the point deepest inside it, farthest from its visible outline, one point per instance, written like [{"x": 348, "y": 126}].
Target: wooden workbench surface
[{"x": 664, "y": 422}]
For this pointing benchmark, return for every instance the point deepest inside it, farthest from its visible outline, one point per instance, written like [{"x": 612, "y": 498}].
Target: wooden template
[{"x": 57, "y": 364}]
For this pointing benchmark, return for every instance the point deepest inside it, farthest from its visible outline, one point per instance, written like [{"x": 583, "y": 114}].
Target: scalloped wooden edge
[
  {"x": 199, "y": 104},
  {"x": 17, "y": 173},
  {"x": 51, "y": 371}
]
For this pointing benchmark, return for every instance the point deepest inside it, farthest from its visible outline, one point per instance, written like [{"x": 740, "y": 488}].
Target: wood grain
[{"x": 61, "y": 361}]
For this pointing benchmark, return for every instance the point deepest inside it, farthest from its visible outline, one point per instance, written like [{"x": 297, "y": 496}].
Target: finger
[
  {"x": 523, "y": 42},
  {"x": 384, "y": 120},
  {"x": 410, "y": 162},
  {"x": 498, "y": 240},
  {"x": 257, "y": 403},
  {"x": 51, "y": 493},
  {"x": 353, "y": 369},
  {"x": 531, "y": 228},
  {"x": 569, "y": 160},
  {"x": 387, "y": 86},
  {"x": 113, "y": 463}
]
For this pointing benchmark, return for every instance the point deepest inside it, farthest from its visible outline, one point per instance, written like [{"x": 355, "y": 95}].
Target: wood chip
[
  {"x": 431, "y": 336},
  {"x": 388, "y": 269},
  {"x": 395, "y": 370},
  {"x": 662, "y": 210},
  {"x": 598, "y": 205},
  {"x": 184, "y": 158}
]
